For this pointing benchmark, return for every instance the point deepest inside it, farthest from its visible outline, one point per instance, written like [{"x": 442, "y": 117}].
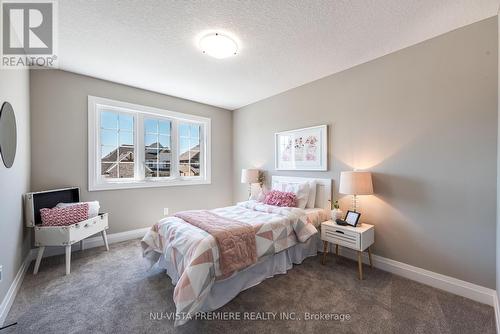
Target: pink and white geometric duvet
[{"x": 195, "y": 255}]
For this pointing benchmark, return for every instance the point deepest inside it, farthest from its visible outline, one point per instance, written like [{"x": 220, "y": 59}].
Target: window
[
  {"x": 133, "y": 146},
  {"x": 157, "y": 147},
  {"x": 117, "y": 145},
  {"x": 189, "y": 161}
]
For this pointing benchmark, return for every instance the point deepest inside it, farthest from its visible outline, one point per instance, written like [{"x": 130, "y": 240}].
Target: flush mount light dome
[{"x": 218, "y": 45}]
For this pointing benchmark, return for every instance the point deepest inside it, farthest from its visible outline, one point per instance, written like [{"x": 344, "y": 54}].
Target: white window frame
[{"x": 95, "y": 180}]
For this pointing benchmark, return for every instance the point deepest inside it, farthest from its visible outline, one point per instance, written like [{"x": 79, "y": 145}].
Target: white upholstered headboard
[{"x": 323, "y": 188}]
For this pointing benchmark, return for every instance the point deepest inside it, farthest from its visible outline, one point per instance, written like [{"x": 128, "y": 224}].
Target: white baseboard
[
  {"x": 439, "y": 281},
  {"x": 497, "y": 312},
  {"x": 93, "y": 242},
  {"x": 116, "y": 237},
  {"x": 14, "y": 288}
]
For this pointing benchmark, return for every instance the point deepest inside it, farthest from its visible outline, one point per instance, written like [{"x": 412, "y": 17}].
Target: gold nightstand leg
[
  {"x": 370, "y": 256},
  {"x": 337, "y": 249},
  {"x": 360, "y": 264},
  {"x": 325, "y": 250}
]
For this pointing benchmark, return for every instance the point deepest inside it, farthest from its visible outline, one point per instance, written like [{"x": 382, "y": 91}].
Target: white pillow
[
  {"x": 258, "y": 196},
  {"x": 311, "y": 201},
  {"x": 93, "y": 207},
  {"x": 301, "y": 190}
]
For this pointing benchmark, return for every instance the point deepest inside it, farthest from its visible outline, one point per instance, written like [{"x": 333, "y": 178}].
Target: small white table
[
  {"x": 358, "y": 238},
  {"x": 69, "y": 235}
]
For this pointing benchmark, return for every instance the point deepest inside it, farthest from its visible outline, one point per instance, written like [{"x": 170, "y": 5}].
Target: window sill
[{"x": 146, "y": 184}]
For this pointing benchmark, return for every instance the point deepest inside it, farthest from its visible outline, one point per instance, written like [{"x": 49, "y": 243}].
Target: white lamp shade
[
  {"x": 356, "y": 183},
  {"x": 249, "y": 176}
]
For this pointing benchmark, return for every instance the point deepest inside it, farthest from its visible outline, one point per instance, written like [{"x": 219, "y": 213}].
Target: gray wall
[
  {"x": 59, "y": 148},
  {"x": 498, "y": 178},
  {"x": 15, "y": 181},
  {"x": 424, "y": 120}
]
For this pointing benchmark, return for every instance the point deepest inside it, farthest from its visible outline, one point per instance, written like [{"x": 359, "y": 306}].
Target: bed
[{"x": 203, "y": 279}]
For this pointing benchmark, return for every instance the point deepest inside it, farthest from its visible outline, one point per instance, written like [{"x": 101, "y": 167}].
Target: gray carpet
[{"x": 112, "y": 292}]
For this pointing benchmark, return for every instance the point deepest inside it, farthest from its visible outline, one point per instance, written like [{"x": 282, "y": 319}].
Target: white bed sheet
[
  {"x": 224, "y": 291},
  {"x": 221, "y": 291},
  {"x": 317, "y": 216}
]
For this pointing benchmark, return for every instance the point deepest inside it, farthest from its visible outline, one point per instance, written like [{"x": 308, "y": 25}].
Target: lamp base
[{"x": 354, "y": 203}]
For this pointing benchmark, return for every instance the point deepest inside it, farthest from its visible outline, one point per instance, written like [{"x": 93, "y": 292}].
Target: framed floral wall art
[{"x": 301, "y": 149}]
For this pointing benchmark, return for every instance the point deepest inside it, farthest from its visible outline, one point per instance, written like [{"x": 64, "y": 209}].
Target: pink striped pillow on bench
[
  {"x": 65, "y": 216},
  {"x": 281, "y": 198}
]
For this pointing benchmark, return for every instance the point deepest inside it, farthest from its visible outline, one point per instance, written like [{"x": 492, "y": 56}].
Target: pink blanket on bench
[{"x": 235, "y": 240}]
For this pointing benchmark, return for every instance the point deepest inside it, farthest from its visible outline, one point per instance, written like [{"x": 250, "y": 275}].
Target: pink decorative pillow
[
  {"x": 281, "y": 198},
  {"x": 65, "y": 216}
]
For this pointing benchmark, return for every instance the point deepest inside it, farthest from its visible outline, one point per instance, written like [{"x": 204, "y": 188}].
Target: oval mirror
[{"x": 8, "y": 134}]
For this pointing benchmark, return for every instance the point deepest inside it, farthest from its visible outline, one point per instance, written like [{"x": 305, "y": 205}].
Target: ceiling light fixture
[{"x": 218, "y": 45}]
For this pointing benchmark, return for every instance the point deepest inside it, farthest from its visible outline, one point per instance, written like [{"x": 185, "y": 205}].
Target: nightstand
[{"x": 358, "y": 238}]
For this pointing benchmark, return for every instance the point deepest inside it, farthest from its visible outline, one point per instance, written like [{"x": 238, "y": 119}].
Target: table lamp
[
  {"x": 356, "y": 183},
  {"x": 250, "y": 176}
]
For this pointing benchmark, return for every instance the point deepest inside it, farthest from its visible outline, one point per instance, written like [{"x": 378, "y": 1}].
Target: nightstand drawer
[{"x": 340, "y": 237}]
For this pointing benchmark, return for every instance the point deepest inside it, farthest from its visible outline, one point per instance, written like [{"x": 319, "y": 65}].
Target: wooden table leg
[
  {"x": 360, "y": 264},
  {"x": 337, "y": 249},
  {"x": 325, "y": 250},
  {"x": 370, "y": 257}
]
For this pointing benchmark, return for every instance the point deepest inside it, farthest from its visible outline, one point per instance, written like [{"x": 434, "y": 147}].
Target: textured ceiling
[{"x": 284, "y": 44}]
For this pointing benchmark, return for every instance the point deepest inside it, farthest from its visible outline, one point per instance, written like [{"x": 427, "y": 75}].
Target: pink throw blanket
[{"x": 236, "y": 240}]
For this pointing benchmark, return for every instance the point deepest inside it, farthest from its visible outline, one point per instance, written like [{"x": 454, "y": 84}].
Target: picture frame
[
  {"x": 352, "y": 218},
  {"x": 301, "y": 149}
]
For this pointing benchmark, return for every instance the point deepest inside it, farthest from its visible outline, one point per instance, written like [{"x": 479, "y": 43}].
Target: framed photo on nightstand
[{"x": 352, "y": 218}]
